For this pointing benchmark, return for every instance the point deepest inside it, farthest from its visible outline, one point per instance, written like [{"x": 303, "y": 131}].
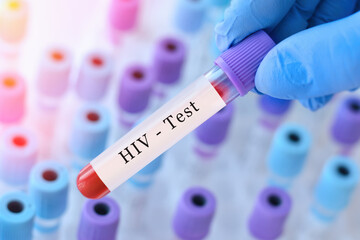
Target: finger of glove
[
  {"x": 315, "y": 103},
  {"x": 245, "y": 17},
  {"x": 295, "y": 20},
  {"x": 316, "y": 62},
  {"x": 330, "y": 10}
]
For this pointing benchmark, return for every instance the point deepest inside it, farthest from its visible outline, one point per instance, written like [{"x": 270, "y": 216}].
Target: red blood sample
[{"x": 89, "y": 183}]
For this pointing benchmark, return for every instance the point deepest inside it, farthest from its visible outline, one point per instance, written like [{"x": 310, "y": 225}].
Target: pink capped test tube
[{"x": 12, "y": 98}]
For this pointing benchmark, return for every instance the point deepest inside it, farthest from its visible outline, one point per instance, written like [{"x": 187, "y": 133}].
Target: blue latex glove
[{"x": 315, "y": 57}]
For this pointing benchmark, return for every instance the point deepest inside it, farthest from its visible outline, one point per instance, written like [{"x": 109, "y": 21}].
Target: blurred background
[{"x": 77, "y": 75}]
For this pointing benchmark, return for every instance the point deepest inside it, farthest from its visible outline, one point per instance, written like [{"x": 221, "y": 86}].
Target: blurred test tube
[{"x": 17, "y": 213}]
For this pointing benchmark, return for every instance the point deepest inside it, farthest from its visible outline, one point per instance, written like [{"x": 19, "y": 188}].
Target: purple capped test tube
[
  {"x": 134, "y": 94},
  {"x": 99, "y": 220},
  {"x": 194, "y": 214},
  {"x": 273, "y": 111},
  {"x": 269, "y": 214},
  {"x": 345, "y": 129},
  {"x": 94, "y": 76},
  {"x": 212, "y": 134},
  {"x": 168, "y": 61}
]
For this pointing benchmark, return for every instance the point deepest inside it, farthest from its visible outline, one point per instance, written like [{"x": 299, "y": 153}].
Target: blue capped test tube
[
  {"x": 190, "y": 23},
  {"x": 17, "y": 213},
  {"x": 332, "y": 195},
  {"x": 288, "y": 154},
  {"x": 48, "y": 188},
  {"x": 89, "y": 134}
]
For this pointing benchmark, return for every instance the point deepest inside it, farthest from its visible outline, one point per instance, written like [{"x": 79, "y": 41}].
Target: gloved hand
[{"x": 315, "y": 57}]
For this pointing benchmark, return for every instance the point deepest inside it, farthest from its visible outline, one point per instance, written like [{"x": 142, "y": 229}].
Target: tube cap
[
  {"x": 18, "y": 153},
  {"x": 144, "y": 178},
  {"x": 89, "y": 131},
  {"x": 169, "y": 57},
  {"x": 48, "y": 189},
  {"x": 215, "y": 129},
  {"x": 123, "y": 14},
  {"x": 337, "y": 183},
  {"x": 13, "y": 20},
  {"x": 16, "y": 216},
  {"x": 99, "y": 220},
  {"x": 346, "y": 125},
  {"x": 190, "y": 15},
  {"x": 241, "y": 62},
  {"x": 274, "y": 106},
  {"x": 290, "y": 147},
  {"x": 12, "y": 97},
  {"x": 269, "y": 214},
  {"x": 54, "y": 71},
  {"x": 94, "y": 76},
  {"x": 135, "y": 89},
  {"x": 194, "y": 214}
]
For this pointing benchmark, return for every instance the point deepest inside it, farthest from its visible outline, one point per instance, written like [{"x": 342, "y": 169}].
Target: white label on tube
[{"x": 165, "y": 127}]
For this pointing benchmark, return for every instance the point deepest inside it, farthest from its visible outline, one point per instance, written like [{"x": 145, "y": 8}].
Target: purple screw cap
[
  {"x": 346, "y": 125},
  {"x": 274, "y": 106},
  {"x": 94, "y": 76},
  {"x": 268, "y": 217},
  {"x": 135, "y": 89},
  {"x": 99, "y": 220},
  {"x": 194, "y": 214},
  {"x": 214, "y": 130},
  {"x": 169, "y": 58},
  {"x": 241, "y": 62}
]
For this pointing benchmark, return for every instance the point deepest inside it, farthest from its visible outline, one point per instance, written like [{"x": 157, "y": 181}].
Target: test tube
[
  {"x": 335, "y": 187},
  {"x": 268, "y": 217},
  {"x": 288, "y": 154},
  {"x": 99, "y": 220},
  {"x": 167, "y": 67},
  {"x": 12, "y": 98},
  {"x": 89, "y": 134},
  {"x": 190, "y": 15},
  {"x": 194, "y": 214},
  {"x": 52, "y": 83},
  {"x": 94, "y": 76},
  {"x": 13, "y": 24},
  {"x": 123, "y": 17},
  {"x": 48, "y": 188},
  {"x": 133, "y": 96},
  {"x": 272, "y": 112},
  {"x": 135, "y": 198},
  {"x": 231, "y": 77},
  {"x": 202, "y": 164},
  {"x": 345, "y": 129},
  {"x": 211, "y": 135},
  {"x": 52, "y": 79},
  {"x": 18, "y": 153},
  {"x": 333, "y": 193},
  {"x": 17, "y": 213}
]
